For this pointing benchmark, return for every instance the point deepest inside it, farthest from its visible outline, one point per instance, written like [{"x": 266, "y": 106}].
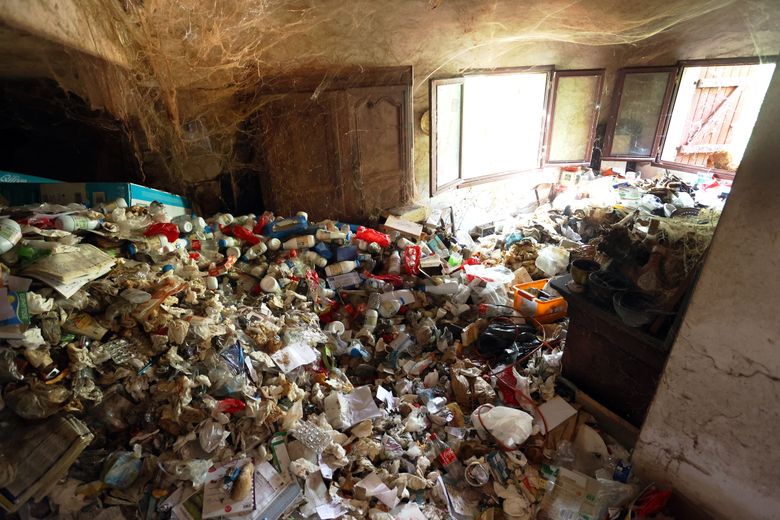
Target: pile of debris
[{"x": 263, "y": 367}]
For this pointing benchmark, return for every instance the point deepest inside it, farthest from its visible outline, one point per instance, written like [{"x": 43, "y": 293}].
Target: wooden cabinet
[{"x": 343, "y": 152}]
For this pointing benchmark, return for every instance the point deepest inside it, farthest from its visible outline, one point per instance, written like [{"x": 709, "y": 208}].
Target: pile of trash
[{"x": 265, "y": 367}]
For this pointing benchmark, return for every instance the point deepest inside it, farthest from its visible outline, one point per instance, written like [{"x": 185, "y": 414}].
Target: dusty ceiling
[{"x": 163, "y": 63}]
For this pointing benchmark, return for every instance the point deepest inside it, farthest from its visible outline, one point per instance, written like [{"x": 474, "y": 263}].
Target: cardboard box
[{"x": 92, "y": 194}]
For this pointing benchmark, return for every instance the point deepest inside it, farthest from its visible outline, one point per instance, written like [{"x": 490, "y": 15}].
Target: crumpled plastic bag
[
  {"x": 122, "y": 468},
  {"x": 552, "y": 260},
  {"x": 509, "y": 426},
  {"x": 38, "y": 400}
]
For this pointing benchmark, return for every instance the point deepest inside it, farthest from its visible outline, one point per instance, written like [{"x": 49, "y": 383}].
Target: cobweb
[{"x": 194, "y": 67}]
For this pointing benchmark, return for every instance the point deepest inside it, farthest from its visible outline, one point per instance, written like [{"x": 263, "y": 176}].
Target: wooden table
[{"x": 618, "y": 365}]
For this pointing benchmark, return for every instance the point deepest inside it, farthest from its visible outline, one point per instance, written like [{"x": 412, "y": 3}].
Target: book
[
  {"x": 37, "y": 456},
  {"x": 69, "y": 271}
]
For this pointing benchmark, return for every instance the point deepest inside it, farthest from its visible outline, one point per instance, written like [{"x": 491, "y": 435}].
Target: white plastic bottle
[
  {"x": 347, "y": 266},
  {"x": 310, "y": 257},
  {"x": 255, "y": 251},
  {"x": 394, "y": 263},
  {"x": 108, "y": 207},
  {"x": 223, "y": 219},
  {"x": 10, "y": 234},
  {"x": 448, "y": 287},
  {"x": 274, "y": 244},
  {"x": 184, "y": 223},
  {"x": 270, "y": 285},
  {"x": 330, "y": 236},
  {"x": 73, "y": 223},
  {"x": 299, "y": 242}
]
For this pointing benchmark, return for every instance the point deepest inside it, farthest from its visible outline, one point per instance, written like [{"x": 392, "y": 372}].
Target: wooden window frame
[
  {"x": 434, "y": 188},
  {"x": 460, "y": 182},
  {"x": 681, "y": 65},
  {"x": 551, "y": 113},
  {"x": 660, "y": 124}
]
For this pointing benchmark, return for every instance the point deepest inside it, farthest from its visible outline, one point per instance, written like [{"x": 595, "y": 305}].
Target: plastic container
[
  {"x": 532, "y": 307},
  {"x": 10, "y": 234},
  {"x": 73, "y": 223}
]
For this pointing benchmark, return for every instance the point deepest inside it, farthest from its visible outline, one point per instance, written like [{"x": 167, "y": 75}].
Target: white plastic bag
[
  {"x": 552, "y": 260},
  {"x": 509, "y": 426}
]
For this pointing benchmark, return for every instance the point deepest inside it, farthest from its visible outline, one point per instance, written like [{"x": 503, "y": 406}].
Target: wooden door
[
  {"x": 299, "y": 142},
  {"x": 376, "y": 168}
]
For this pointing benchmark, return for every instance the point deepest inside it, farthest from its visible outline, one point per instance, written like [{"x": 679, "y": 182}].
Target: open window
[
  {"x": 704, "y": 127},
  {"x": 714, "y": 111},
  {"x": 639, "y": 105},
  {"x": 574, "y": 111},
  {"x": 487, "y": 126}
]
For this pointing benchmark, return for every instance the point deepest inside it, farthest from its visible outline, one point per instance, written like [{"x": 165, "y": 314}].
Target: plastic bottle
[
  {"x": 226, "y": 242},
  {"x": 489, "y": 310},
  {"x": 10, "y": 234},
  {"x": 108, "y": 207},
  {"x": 274, "y": 244},
  {"x": 233, "y": 251},
  {"x": 394, "y": 263},
  {"x": 446, "y": 458},
  {"x": 313, "y": 258},
  {"x": 223, "y": 219},
  {"x": 154, "y": 246},
  {"x": 347, "y": 266},
  {"x": 255, "y": 251},
  {"x": 184, "y": 223},
  {"x": 212, "y": 283},
  {"x": 305, "y": 241},
  {"x": 370, "y": 319},
  {"x": 270, "y": 285},
  {"x": 404, "y": 296},
  {"x": 330, "y": 236},
  {"x": 356, "y": 350},
  {"x": 403, "y": 243},
  {"x": 73, "y": 223},
  {"x": 448, "y": 287}
]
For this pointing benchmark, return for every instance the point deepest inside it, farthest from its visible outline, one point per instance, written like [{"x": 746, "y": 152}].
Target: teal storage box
[{"x": 92, "y": 194}]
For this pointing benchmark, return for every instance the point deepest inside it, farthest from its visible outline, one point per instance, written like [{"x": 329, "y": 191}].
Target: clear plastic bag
[{"x": 553, "y": 260}]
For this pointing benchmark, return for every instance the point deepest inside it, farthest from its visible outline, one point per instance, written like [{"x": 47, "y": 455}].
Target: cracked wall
[{"x": 711, "y": 431}]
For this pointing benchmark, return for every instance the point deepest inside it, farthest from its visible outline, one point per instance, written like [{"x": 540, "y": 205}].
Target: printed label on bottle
[
  {"x": 80, "y": 222},
  {"x": 447, "y": 457},
  {"x": 10, "y": 233}
]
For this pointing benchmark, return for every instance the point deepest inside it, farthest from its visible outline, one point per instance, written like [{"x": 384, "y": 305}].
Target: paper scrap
[
  {"x": 374, "y": 487},
  {"x": 362, "y": 405},
  {"x": 555, "y": 412},
  {"x": 292, "y": 356},
  {"x": 409, "y": 511},
  {"x": 387, "y": 397},
  {"x": 331, "y": 510},
  {"x": 216, "y": 501}
]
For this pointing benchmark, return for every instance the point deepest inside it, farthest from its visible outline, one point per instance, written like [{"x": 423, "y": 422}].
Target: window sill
[
  {"x": 718, "y": 174},
  {"x": 493, "y": 177}
]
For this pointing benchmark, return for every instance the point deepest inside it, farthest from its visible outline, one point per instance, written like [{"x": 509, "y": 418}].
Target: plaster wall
[{"x": 711, "y": 431}]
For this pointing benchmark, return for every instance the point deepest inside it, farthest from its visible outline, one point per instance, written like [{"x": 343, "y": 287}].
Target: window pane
[
  {"x": 448, "y": 106},
  {"x": 502, "y": 123},
  {"x": 575, "y": 109},
  {"x": 639, "y": 112},
  {"x": 714, "y": 113}
]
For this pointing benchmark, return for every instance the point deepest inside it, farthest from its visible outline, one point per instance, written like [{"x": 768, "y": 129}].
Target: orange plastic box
[{"x": 542, "y": 311}]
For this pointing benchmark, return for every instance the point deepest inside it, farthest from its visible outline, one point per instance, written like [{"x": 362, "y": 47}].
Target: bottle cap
[
  {"x": 167, "y": 267},
  {"x": 222, "y": 243},
  {"x": 132, "y": 249}
]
